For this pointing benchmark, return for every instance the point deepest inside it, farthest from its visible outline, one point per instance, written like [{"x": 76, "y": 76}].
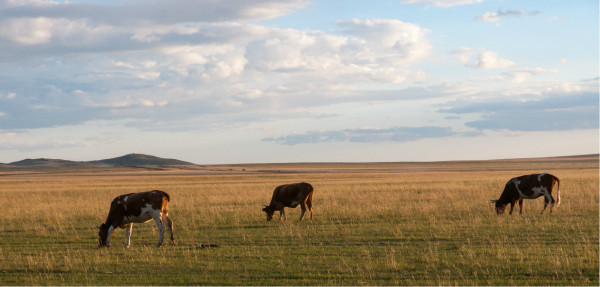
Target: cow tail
[
  {"x": 165, "y": 195},
  {"x": 557, "y": 190},
  {"x": 311, "y": 190},
  {"x": 165, "y": 204}
]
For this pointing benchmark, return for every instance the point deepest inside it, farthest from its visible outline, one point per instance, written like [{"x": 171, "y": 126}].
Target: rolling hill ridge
[{"x": 129, "y": 160}]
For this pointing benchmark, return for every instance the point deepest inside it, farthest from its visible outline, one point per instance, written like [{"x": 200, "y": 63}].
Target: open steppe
[{"x": 374, "y": 224}]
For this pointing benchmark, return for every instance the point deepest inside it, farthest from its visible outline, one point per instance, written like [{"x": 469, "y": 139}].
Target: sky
[{"x": 267, "y": 81}]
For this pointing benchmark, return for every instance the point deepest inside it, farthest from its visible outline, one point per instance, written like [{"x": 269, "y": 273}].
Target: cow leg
[
  {"x": 309, "y": 204},
  {"x": 303, "y": 207},
  {"x": 161, "y": 227},
  {"x": 170, "y": 227},
  {"x": 520, "y": 206},
  {"x": 109, "y": 235},
  {"x": 282, "y": 213},
  {"x": 128, "y": 229},
  {"x": 548, "y": 199},
  {"x": 512, "y": 205},
  {"x": 551, "y": 202},
  {"x": 545, "y": 204}
]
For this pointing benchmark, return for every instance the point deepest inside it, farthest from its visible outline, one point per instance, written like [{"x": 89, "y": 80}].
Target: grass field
[{"x": 374, "y": 224}]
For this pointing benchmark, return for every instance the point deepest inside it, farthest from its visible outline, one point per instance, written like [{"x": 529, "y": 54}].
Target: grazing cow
[
  {"x": 127, "y": 209},
  {"x": 290, "y": 195},
  {"x": 528, "y": 187}
]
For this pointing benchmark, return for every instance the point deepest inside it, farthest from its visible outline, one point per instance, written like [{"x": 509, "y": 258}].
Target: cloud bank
[
  {"x": 365, "y": 135},
  {"x": 551, "y": 113},
  {"x": 88, "y": 65}
]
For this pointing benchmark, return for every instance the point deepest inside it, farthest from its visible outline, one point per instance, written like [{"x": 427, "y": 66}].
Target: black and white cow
[
  {"x": 127, "y": 209},
  {"x": 529, "y": 186}
]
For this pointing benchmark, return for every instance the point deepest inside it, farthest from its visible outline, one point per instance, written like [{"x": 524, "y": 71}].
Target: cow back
[
  {"x": 291, "y": 194},
  {"x": 131, "y": 205}
]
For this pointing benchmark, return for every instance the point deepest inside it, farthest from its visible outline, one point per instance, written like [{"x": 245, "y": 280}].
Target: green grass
[{"x": 412, "y": 228}]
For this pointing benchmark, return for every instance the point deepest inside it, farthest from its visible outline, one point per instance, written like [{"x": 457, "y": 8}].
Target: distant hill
[
  {"x": 136, "y": 159},
  {"x": 130, "y": 160},
  {"x": 50, "y": 163}
]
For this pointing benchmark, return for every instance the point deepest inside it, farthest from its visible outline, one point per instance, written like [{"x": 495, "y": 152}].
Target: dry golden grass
[{"x": 375, "y": 224}]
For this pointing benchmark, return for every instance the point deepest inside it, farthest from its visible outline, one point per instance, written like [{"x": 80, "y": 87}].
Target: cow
[
  {"x": 127, "y": 209},
  {"x": 529, "y": 186},
  {"x": 290, "y": 195}
]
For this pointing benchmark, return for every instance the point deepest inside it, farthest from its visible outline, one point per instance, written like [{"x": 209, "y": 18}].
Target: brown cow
[
  {"x": 290, "y": 195},
  {"x": 528, "y": 187},
  {"x": 127, "y": 209}
]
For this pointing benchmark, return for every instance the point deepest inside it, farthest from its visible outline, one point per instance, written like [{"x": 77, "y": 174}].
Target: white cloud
[
  {"x": 41, "y": 30},
  {"x": 141, "y": 69},
  {"x": 371, "y": 51},
  {"x": 496, "y": 16},
  {"x": 464, "y": 54},
  {"x": 28, "y": 31},
  {"x": 206, "y": 62},
  {"x": 521, "y": 75},
  {"x": 387, "y": 41},
  {"x": 442, "y": 3},
  {"x": 489, "y": 17},
  {"x": 490, "y": 60},
  {"x": 485, "y": 60},
  {"x": 571, "y": 88}
]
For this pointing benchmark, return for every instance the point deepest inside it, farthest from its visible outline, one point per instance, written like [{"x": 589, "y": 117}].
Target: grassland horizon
[{"x": 417, "y": 223}]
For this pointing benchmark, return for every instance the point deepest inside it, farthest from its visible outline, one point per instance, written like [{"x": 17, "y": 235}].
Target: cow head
[
  {"x": 499, "y": 206},
  {"x": 103, "y": 234},
  {"x": 269, "y": 211}
]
